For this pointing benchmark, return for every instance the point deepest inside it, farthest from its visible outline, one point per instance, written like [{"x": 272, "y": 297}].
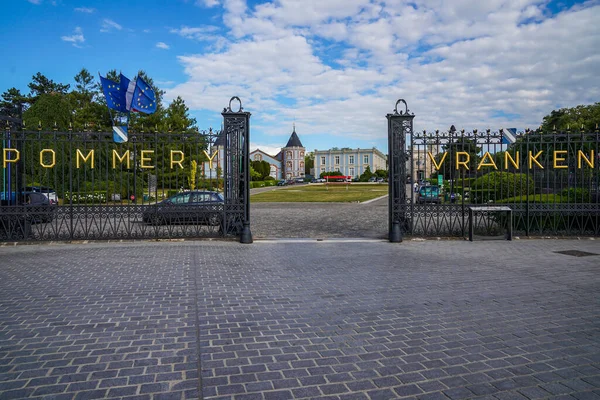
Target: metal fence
[
  {"x": 549, "y": 180},
  {"x": 156, "y": 185}
]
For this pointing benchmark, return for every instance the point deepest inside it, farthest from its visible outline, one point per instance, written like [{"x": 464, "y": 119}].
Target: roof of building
[{"x": 294, "y": 140}]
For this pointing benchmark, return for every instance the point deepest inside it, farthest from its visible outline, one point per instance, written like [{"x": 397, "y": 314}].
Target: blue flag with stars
[
  {"x": 114, "y": 94},
  {"x": 144, "y": 98}
]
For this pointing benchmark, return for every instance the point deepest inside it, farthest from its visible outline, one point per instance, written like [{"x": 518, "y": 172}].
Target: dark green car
[{"x": 429, "y": 194}]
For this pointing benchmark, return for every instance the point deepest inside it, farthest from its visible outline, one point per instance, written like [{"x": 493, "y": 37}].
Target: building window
[
  {"x": 351, "y": 172},
  {"x": 366, "y": 159},
  {"x": 337, "y": 160},
  {"x": 301, "y": 165},
  {"x": 257, "y": 157},
  {"x": 351, "y": 160},
  {"x": 322, "y": 160},
  {"x": 288, "y": 154},
  {"x": 288, "y": 165},
  {"x": 301, "y": 154}
]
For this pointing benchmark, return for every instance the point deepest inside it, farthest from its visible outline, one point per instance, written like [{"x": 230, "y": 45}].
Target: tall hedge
[{"x": 504, "y": 184}]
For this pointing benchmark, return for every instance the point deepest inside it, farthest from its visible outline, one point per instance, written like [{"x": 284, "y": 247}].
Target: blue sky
[{"x": 333, "y": 67}]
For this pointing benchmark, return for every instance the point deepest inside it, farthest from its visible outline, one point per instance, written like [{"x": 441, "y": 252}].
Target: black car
[
  {"x": 36, "y": 207},
  {"x": 199, "y": 207},
  {"x": 16, "y": 218}
]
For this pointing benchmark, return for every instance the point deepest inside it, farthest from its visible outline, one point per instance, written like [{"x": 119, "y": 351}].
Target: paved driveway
[{"x": 303, "y": 320}]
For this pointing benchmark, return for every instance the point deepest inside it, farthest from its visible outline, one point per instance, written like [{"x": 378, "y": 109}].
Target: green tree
[
  {"x": 309, "y": 162},
  {"x": 574, "y": 118},
  {"x": 177, "y": 117},
  {"x": 50, "y": 108},
  {"x": 89, "y": 112},
  {"x": 40, "y": 85},
  {"x": 381, "y": 173},
  {"x": 85, "y": 87},
  {"x": 365, "y": 176},
  {"x": 12, "y": 99}
]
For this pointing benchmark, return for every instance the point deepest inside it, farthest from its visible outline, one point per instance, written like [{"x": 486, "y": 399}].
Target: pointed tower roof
[{"x": 294, "y": 140}]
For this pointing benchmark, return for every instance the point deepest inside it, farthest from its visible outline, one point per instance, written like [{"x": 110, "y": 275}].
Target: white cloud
[
  {"x": 76, "y": 38},
  {"x": 208, "y": 3},
  {"x": 86, "y": 10},
  {"x": 201, "y": 33},
  {"x": 108, "y": 25},
  {"x": 36, "y": 2},
  {"x": 162, "y": 45},
  {"x": 339, "y": 66}
]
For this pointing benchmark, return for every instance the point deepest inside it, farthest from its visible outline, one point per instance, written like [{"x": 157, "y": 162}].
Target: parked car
[
  {"x": 281, "y": 182},
  {"x": 429, "y": 194},
  {"x": 33, "y": 207},
  {"x": 199, "y": 207},
  {"x": 46, "y": 191},
  {"x": 372, "y": 179}
]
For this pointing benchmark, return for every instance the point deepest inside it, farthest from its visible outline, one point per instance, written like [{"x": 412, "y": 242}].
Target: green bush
[
  {"x": 535, "y": 198},
  {"x": 257, "y": 184},
  {"x": 576, "y": 195},
  {"x": 503, "y": 185},
  {"x": 269, "y": 178}
]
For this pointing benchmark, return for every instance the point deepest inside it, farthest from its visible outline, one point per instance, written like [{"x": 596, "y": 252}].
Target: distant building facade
[
  {"x": 288, "y": 163},
  {"x": 350, "y": 162},
  {"x": 422, "y": 166}
]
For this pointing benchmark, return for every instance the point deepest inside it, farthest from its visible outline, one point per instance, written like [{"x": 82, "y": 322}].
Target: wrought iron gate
[
  {"x": 65, "y": 186},
  {"x": 549, "y": 180}
]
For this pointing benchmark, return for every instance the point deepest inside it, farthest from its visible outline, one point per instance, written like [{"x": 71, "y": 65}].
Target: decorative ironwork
[
  {"x": 107, "y": 191},
  {"x": 550, "y": 181},
  {"x": 400, "y": 124}
]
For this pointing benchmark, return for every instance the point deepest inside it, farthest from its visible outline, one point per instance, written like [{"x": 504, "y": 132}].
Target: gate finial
[
  {"x": 406, "y": 111},
  {"x": 228, "y": 109}
]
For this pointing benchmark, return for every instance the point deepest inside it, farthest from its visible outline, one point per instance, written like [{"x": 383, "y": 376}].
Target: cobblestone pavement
[{"x": 300, "y": 320}]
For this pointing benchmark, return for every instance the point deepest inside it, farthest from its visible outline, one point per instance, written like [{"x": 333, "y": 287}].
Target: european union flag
[
  {"x": 144, "y": 98},
  {"x": 115, "y": 96}
]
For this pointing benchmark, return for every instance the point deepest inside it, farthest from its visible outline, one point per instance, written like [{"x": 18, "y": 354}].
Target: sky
[{"x": 334, "y": 68}]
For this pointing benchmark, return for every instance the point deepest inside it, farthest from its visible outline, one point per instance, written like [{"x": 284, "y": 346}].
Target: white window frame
[
  {"x": 337, "y": 160},
  {"x": 365, "y": 158},
  {"x": 351, "y": 159},
  {"x": 322, "y": 160}
]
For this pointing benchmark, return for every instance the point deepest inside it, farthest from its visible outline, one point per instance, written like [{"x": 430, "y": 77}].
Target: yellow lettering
[
  {"x": 121, "y": 159},
  {"x": 463, "y": 163},
  {"x": 210, "y": 158},
  {"x": 10, "y": 160},
  {"x": 557, "y": 159},
  {"x": 432, "y": 158},
  {"x": 533, "y": 159},
  {"x": 42, "y": 158},
  {"x": 178, "y": 162},
  {"x": 144, "y": 159},
  {"x": 589, "y": 161},
  {"x": 86, "y": 158},
  {"x": 491, "y": 163},
  {"x": 508, "y": 157}
]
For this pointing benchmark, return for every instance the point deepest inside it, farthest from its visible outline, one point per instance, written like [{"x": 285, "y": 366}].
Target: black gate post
[
  {"x": 400, "y": 124},
  {"x": 236, "y": 127}
]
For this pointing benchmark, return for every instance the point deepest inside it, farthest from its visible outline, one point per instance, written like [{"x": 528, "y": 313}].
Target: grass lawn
[{"x": 326, "y": 193}]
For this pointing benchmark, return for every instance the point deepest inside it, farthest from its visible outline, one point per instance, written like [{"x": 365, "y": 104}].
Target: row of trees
[{"x": 83, "y": 107}]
